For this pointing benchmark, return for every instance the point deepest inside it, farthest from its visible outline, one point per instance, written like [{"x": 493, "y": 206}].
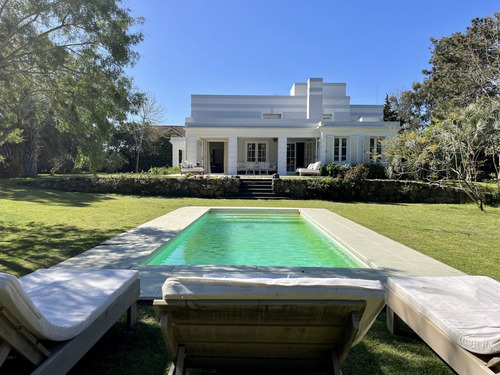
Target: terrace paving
[{"x": 384, "y": 256}]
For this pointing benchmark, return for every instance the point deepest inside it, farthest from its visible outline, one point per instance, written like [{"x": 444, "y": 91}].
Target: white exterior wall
[
  {"x": 178, "y": 143},
  {"x": 232, "y": 154},
  {"x": 282, "y": 155},
  {"x": 191, "y": 149},
  {"x": 313, "y": 111}
]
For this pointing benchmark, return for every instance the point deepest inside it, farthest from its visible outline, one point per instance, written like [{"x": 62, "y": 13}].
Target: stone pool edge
[{"x": 385, "y": 256}]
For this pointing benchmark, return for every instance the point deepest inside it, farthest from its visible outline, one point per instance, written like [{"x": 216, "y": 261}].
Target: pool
[{"x": 253, "y": 237}]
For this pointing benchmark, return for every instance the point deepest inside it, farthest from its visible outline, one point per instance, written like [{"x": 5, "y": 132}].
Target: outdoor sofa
[
  {"x": 189, "y": 168},
  {"x": 313, "y": 169},
  {"x": 265, "y": 323},
  {"x": 52, "y": 317}
]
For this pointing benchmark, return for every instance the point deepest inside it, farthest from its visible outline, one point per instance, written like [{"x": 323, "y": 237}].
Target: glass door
[{"x": 290, "y": 157}]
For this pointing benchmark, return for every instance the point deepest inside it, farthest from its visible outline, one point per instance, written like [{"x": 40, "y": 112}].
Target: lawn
[{"x": 40, "y": 228}]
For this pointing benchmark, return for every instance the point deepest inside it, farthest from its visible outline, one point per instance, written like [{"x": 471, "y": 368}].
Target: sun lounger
[
  {"x": 54, "y": 316},
  {"x": 313, "y": 169},
  {"x": 265, "y": 323},
  {"x": 458, "y": 317}
]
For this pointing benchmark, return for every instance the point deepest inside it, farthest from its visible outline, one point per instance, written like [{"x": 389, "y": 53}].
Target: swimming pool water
[{"x": 259, "y": 239}]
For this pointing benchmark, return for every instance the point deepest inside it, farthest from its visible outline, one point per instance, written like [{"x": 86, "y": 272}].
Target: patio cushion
[
  {"x": 465, "y": 308},
  {"x": 58, "y": 304},
  {"x": 271, "y": 288}
]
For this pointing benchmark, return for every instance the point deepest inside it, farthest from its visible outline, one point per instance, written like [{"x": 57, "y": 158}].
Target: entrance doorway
[{"x": 216, "y": 151}]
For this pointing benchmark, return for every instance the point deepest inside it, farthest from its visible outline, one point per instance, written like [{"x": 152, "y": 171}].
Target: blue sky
[{"x": 261, "y": 47}]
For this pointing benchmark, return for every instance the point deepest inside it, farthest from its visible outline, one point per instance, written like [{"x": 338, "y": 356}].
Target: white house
[{"x": 316, "y": 122}]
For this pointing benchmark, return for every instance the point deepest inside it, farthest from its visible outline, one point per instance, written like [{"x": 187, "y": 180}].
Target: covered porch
[{"x": 252, "y": 155}]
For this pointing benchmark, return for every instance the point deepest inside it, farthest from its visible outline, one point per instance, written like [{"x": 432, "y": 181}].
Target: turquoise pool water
[{"x": 260, "y": 239}]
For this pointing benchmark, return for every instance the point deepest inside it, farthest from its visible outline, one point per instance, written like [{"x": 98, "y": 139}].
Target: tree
[
  {"x": 146, "y": 112},
  {"x": 464, "y": 67},
  {"x": 449, "y": 150},
  {"x": 68, "y": 55},
  {"x": 410, "y": 108}
]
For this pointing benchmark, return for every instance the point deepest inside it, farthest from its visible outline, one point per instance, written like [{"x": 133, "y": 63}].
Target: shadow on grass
[
  {"x": 142, "y": 350},
  {"x": 11, "y": 189},
  {"x": 380, "y": 352},
  {"x": 122, "y": 350},
  {"x": 36, "y": 245}
]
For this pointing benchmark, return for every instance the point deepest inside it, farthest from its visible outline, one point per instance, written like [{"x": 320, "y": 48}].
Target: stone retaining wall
[
  {"x": 198, "y": 186},
  {"x": 227, "y": 186},
  {"x": 367, "y": 190}
]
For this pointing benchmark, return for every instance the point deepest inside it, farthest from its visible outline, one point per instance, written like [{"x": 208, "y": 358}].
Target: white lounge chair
[
  {"x": 458, "y": 317},
  {"x": 313, "y": 169},
  {"x": 267, "y": 323},
  {"x": 54, "y": 316}
]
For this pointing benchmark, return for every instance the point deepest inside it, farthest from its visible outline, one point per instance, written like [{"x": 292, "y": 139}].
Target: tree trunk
[
  {"x": 137, "y": 155},
  {"x": 30, "y": 157}
]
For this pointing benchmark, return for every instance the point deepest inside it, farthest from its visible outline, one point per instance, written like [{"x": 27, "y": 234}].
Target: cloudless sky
[{"x": 261, "y": 47}]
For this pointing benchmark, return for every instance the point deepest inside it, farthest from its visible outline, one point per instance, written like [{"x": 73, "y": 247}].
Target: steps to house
[{"x": 255, "y": 188}]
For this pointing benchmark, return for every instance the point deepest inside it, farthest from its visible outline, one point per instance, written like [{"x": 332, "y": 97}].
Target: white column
[
  {"x": 175, "y": 156},
  {"x": 232, "y": 155},
  {"x": 282, "y": 155},
  {"x": 354, "y": 147},
  {"x": 361, "y": 149},
  {"x": 191, "y": 149},
  {"x": 322, "y": 149}
]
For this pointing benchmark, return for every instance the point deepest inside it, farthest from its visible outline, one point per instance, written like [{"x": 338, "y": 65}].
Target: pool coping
[{"x": 386, "y": 257}]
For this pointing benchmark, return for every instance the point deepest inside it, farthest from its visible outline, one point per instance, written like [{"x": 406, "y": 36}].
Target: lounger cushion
[
  {"x": 466, "y": 308},
  {"x": 58, "y": 304},
  {"x": 218, "y": 288}
]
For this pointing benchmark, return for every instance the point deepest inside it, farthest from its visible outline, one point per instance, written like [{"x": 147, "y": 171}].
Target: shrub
[
  {"x": 164, "y": 170},
  {"x": 376, "y": 171},
  {"x": 114, "y": 162},
  {"x": 355, "y": 176},
  {"x": 336, "y": 170}
]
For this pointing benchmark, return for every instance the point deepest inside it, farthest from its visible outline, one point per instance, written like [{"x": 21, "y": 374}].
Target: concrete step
[{"x": 255, "y": 188}]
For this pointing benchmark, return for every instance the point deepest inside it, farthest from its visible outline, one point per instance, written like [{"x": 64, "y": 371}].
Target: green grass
[{"x": 40, "y": 228}]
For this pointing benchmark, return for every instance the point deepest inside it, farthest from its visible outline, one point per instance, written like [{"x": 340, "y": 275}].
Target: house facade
[{"x": 316, "y": 122}]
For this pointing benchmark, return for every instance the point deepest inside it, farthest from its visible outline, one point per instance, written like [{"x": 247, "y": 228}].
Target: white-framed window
[
  {"x": 339, "y": 150},
  {"x": 256, "y": 152},
  {"x": 272, "y": 116},
  {"x": 376, "y": 149},
  {"x": 327, "y": 116}
]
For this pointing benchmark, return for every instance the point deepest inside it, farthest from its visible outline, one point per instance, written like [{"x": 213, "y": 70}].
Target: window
[
  {"x": 339, "y": 149},
  {"x": 376, "y": 149},
  {"x": 256, "y": 152},
  {"x": 261, "y": 152},
  {"x": 274, "y": 116},
  {"x": 250, "y": 151},
  {"x": 327, "y": 116}
]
